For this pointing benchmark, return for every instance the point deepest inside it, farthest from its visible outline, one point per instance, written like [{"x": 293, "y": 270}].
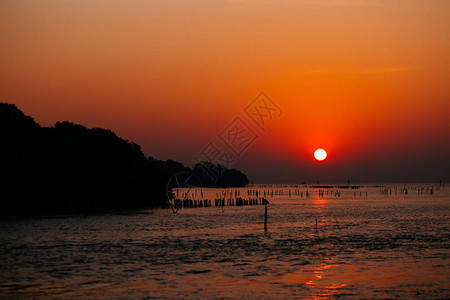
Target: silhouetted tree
[
  {"x": 216, "y": 175},
  {"x": 69, "y": 168}
]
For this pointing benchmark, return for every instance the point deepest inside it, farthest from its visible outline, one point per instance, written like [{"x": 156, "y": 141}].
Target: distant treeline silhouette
[{"x": 69, "y": 168}]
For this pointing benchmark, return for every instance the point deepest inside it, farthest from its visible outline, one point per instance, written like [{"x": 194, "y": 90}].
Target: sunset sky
[{"x": 368, "y": 81}]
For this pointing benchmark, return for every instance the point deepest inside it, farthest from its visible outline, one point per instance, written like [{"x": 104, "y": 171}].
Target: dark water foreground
[{"x": 375, "y": 247}]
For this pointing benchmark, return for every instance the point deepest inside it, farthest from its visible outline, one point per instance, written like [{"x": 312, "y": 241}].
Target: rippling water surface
[{"x": 374, "y": 247}]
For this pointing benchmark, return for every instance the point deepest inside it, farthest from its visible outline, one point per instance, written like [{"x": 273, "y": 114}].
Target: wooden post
[
  {"x": 316, "y": 224},
  {"x": 265, "y": 219}
]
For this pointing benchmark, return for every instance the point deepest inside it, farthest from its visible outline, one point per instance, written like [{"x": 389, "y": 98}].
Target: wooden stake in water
[
  {"x": 316, "y": 224},
  {"x": 265, "y": 219}
]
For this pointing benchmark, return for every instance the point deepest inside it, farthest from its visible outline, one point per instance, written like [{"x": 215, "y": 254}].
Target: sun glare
[{"x": 320, "y": 154}]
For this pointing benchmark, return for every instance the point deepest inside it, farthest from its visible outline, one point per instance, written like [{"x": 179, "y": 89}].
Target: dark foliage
[
  {"x": 215, "y": 175},
  {"x": 69, "y": 168}
]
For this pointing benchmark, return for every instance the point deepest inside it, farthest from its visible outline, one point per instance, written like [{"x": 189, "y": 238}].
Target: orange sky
[{"x": 366, "y": 80}]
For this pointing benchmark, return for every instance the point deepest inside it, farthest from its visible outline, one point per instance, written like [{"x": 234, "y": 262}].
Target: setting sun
[{"x": 320, "y": 154}]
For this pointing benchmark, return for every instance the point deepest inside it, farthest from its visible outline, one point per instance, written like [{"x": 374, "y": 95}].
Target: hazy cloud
[
  {"x": 378, "y": 70},
  {"x": 318, "y": 2}
]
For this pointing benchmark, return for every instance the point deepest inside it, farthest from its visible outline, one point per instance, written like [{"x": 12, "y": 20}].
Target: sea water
[{"x": 382, "y": 245}]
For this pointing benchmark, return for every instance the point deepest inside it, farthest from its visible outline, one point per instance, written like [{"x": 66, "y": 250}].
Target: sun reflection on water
[{"x": 323, "y": 280}]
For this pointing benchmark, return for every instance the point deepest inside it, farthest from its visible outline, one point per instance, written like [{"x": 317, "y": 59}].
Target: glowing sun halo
[{"x": 320, "y": 154}]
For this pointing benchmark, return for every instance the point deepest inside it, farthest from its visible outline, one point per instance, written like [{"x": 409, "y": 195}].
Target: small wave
[{"x": 197, "y": 271}]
